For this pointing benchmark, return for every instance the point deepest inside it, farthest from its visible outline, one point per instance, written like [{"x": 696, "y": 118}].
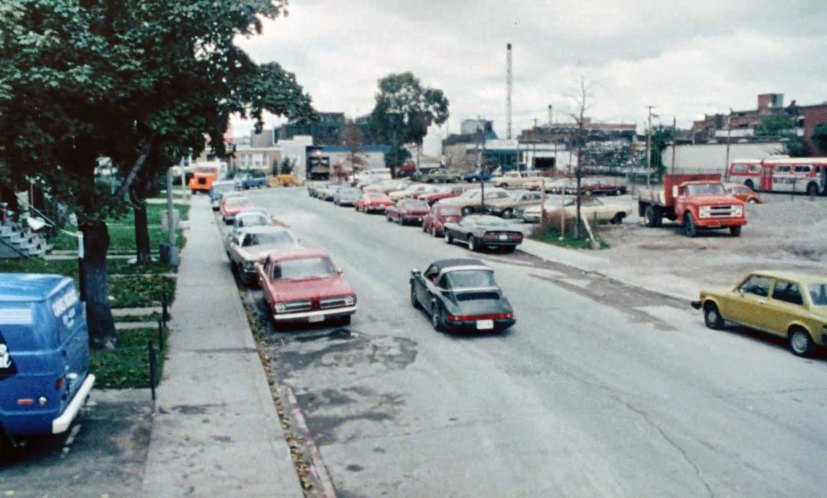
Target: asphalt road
[{"x": 598, "y": 390}]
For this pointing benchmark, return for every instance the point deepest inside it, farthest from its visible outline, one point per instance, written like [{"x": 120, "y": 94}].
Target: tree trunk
[
  {"x": 142, "y": 244},
  {"x": 93, "y": 276}
]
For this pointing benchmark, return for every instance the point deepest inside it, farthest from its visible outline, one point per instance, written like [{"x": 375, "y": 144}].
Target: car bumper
[
  {"x": 471, "y": 326},
  {"x": 62, "y": 423},
  {"x": 412, "y": 219},
  {"x": 314, "y": 316}
]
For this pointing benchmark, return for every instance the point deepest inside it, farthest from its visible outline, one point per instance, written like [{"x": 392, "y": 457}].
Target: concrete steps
[{"x": 17, "y": 242}]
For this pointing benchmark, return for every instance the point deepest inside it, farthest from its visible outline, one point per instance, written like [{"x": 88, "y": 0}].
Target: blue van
[{"x": 44, "y": 355}]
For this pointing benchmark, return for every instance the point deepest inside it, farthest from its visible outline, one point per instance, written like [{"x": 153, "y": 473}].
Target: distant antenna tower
[{"x": 508, "y": 91}]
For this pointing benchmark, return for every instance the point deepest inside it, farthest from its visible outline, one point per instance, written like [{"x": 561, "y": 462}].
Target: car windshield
[
  {"x": 270, "y": 238},
  {"x": 705, "y": 189},
  {"x": 303, "y": 269},
  {"x": 251, "y": 220},
  {"x": 818, "y": 294},
  {"x": 470, "y": 279},
  {"x": 416, "y": 204},
  {"x": 235, "y": 202}
]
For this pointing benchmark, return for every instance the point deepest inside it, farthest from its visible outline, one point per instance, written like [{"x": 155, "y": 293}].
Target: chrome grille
[
  {"x": 296, "y": 306},
  {"x": 721, "y": 211},
  {"x": 333, "y": 302}
]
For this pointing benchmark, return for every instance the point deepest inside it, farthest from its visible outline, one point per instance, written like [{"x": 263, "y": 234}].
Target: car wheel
[
  {"x": 735, "y": 231},
  {"x": 712, "y": 317},
  {"x": 467, "y": 210},
  {"x": 508, "y": 213},
  {"x": 749, "y": 184},
  {"x": 449, "y": 239},
  {"x": 345, "y": 320},
  {"x": 472, "y": 244},
  {"x": 651, "y": 217},
  {"x": 388, "y": 217},
  {"x": 436, "y": 317},
  {"x": 800, "y": 342},
  {"x": 503, "y": 185},
  {"x": 414, "y": 301},
  {"x": 433, "y": 231},
  {"x": 618, "y": 219},
  {"x": 812, "y": 189},
  {"x": 618, "y": 192},
  {"x": 752, "y": 200},
  {"x": 689, "y": 226}
]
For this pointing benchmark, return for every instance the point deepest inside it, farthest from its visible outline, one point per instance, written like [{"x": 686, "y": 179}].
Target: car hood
[
  {"x": 315, "y": 288},
  {"x": 253, "y": 254},
  {"x": 717, "y": 199}
]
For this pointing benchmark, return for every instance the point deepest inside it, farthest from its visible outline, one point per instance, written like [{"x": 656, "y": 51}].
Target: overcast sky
[{"x": 685, "y": 58}]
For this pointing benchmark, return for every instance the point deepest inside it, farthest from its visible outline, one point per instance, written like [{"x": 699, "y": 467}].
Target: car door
[
  {"x": 464, "y": 229},
  {"x": 785, "y": 304},
  {"x": 748, "y": 305},
  {"x": 426, "y": 286}
]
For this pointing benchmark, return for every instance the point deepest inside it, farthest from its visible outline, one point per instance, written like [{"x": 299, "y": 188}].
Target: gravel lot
[{"x": 783, "y": 233}]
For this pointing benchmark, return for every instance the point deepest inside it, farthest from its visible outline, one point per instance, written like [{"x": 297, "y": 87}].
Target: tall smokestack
[
  {"x": 508, "y": 91},
  {"x": 550, "y": 121}
]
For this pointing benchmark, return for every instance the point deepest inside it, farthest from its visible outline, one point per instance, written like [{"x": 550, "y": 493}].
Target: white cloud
[{"x": 686, "y": 59}]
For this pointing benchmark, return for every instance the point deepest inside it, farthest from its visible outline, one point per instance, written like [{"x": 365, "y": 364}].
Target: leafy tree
[
  {"x": 661, "y": 138},
  {"x": 782, "y": 127},
  {"x": 287, "y": 166},
  {"x": 403, "y": 112},
  {"x": 820, "y": 137},
  {"x": 140, "y": 82},
  {"x": 353, "y": 139}
]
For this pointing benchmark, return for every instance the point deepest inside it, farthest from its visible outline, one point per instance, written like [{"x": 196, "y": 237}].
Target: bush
[{"x": 553, "y": 229}]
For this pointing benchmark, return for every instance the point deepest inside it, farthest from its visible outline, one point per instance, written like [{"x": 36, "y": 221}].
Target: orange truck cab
[
  {"x": 203, "y": 178},
  {"x": 694, "y": 201}
]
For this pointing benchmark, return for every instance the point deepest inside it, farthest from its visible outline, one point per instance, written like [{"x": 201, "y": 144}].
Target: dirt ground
[{"x": 783, "y": 233}]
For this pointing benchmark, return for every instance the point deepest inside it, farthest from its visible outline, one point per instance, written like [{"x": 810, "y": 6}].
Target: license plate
[
  {"x": 315, "y": 319},
  {"x": 503, "y": 237},
  {"x": 485, "y": 324}
]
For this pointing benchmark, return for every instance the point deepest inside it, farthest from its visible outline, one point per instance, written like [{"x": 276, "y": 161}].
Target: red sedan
[
  {"x": 304, "y": 286},
  {"x": 439, "y": 215},
  {"x": 407, "y": 211},
  {"x": 443, "y": 193},
  {"x": 231, "y": 206},
  {"x": 373, "y": 202}
]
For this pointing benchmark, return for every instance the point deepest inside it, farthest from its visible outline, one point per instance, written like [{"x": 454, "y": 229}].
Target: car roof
[
  {"x": 804, "y": 278},
  {"x": 298, "y": 253},
  {"x": 444, "y": 264},
  {"x": 265, "y": 229},
  {"x": 27, "y": 287}
]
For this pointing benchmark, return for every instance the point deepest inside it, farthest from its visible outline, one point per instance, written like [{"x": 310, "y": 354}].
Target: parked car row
[
  {"x": 457, "y": 218},
  {"x": 299, "y": 284}
]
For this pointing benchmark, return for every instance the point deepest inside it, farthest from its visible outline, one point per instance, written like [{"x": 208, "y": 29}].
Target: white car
[
  {"x": 250, "y": 244},
  {"x": 590, "y": 209}
]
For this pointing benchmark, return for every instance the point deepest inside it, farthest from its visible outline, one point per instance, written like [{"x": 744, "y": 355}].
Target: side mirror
[
  {"x": 339, "y": 271},
  {"x": 416, "y": 272}
]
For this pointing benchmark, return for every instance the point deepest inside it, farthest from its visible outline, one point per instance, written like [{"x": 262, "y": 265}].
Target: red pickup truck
[{"x": 694, "y": 201}]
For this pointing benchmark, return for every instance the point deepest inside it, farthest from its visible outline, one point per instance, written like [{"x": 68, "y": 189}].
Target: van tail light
[{"x": 59, "y": 383}]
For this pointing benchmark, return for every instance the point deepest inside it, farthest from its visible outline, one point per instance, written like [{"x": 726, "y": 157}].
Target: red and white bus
[{"x": 782, "y": 174}]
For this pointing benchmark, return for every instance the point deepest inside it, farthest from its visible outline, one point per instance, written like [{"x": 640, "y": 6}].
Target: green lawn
[{"x": 127, "y": 367}]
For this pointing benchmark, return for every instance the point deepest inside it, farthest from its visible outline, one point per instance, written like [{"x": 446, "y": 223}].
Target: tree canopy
[
  {"x": 404, "y": 110},
  {"x": 138, "y": 81}
]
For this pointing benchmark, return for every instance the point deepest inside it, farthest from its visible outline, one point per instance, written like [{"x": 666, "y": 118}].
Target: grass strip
[{"x": 127, "y": 366}]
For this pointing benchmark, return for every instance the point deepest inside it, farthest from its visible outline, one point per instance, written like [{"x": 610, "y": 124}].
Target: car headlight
[
  {"x": 738, "y": 211},
  {"x": 350, "y": 300},
  {"x": 705, "y": 211},
  {"x": 280, "y": 308}
]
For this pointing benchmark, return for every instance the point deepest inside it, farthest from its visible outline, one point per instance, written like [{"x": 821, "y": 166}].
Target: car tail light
[
  {"x": 59, "y": 383},
  {"x": 473, "y": 318}
]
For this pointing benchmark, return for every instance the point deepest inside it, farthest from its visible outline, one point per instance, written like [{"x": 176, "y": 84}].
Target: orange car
[{"x": 743, "y": 193}]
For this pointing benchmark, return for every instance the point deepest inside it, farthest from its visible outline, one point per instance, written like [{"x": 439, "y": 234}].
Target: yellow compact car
[{"x": 787, "y": 304}]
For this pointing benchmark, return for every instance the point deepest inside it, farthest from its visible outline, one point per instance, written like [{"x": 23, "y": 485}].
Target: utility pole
[
  {"x": 674, "y": 135},
  {"x": 508, "y": 91},
  {"x": 649, "y": 145},
  {"x": 728, "y": 140}
]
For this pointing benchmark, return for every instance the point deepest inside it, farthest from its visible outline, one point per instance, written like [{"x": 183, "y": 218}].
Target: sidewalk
[
  {"x": 592, "y": 261},
  {"x": 215, "y": 430}
]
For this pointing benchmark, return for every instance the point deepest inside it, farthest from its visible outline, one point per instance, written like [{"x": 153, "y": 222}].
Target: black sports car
[
  {"x": 461, "y": 295},
  {"x": 478, "y": 231}
]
